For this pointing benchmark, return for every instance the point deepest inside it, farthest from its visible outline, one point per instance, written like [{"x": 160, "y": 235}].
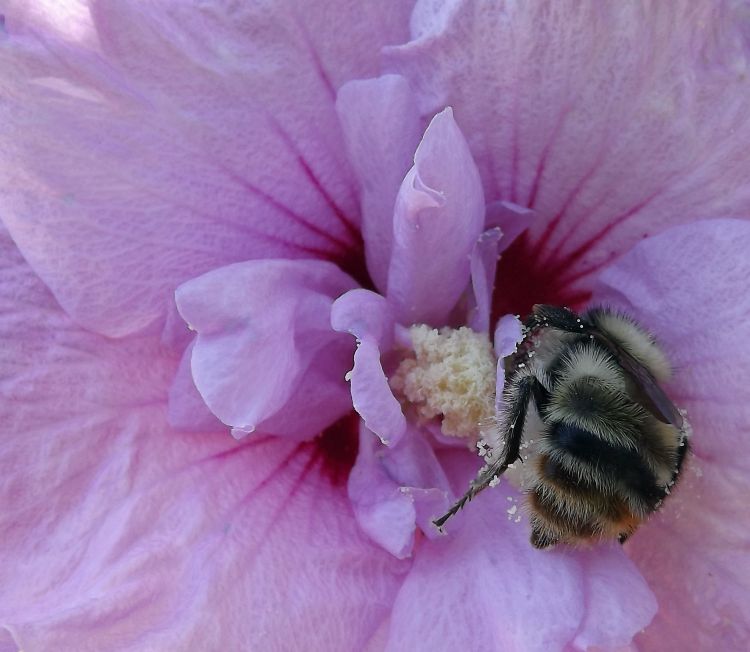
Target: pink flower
[{"x": 296, "y": 173}]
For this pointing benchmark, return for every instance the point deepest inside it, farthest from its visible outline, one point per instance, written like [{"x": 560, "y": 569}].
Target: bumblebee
[{"x": 609, "y": 442}]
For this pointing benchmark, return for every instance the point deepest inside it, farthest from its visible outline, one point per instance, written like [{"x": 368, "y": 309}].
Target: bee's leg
[{"x": 519, "y": 395}]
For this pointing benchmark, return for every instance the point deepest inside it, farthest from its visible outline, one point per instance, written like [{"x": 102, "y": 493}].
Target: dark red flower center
[
  {"x": 522, "y": 280},
  {"x": 337, "y": 448}
]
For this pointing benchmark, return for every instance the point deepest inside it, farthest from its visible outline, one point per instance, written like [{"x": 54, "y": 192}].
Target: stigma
[{"x": 450, "y": 374}]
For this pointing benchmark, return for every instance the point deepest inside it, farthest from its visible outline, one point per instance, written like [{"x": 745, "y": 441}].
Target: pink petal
[
  {"x": 383, "y": 511},
  {"x": 439, "y": 216},
  {"x": 413, "y": 466},
  {"x": 689, "y": 286},
  {"x": 118, "y": 533},
  {"x": 372, "y": 397},
  {"x": 610, "y": 580},
  {"x": 265, "y": 357},
  {"x": 483, "y": 586},
  {"x": 70, "y": 19},
  {"x": 395, "y": 489},
  {"x": 368, "y": 317},
  {"x": 187, "y": 409},
  {"x": 191, "y": 139},
  {"x": 508, "y": 334},
  {"x": 482, "y": 263},
  {"x": 612, "y": 121},
  {"x": 511, "y": 218},
  {"x": 382, "y": 130},
  {"x": 364, "y": 313}
]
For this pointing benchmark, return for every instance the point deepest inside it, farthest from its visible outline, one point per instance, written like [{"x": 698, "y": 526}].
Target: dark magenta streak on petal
[
  {"x": 588, "y": 271},
  {"x": 543, "y": 159},
  {"x": 299, "y": 480},
  {"x": 522, "y": 280},
  {"x": 244, "y": 183},
  {"x": 337, "y": 447},
  {"x": 539, "y": 248},
  {"x": 567, "y": 261},
  {"x": 231, "y": 452},
  {"x": 305, "y": 165},
  {"x": 279, "y": 468},
  {"x": 297, "y": 483}
]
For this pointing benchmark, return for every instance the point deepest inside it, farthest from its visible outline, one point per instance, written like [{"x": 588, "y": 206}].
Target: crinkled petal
[
  {"x": 265, "y": 358},
  {"x": 484, "y": 587},
  {"x": 187, "y": 140},
  {"x": 120, "y": 534},
  {"x": 508, "y": 334},
  {"x": 482, "y": 263},
  {"x": 364, "y": 313},
  {"x": 689, "y": 286},
  {"x": 415, "y": 468},
  {"x": 368, "y": 317},
  {"x": 438, "y": 218},
  {"x": 613, "y": 121},
  {"x": 396, "y": 489},
  {"x": 383, "y": 511},
  {"x": 372, "y": 396},
  {"x": 382, "y": 129}
]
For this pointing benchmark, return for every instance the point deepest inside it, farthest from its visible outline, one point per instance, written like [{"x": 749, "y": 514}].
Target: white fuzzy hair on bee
[{"x": 609, "y": 441}]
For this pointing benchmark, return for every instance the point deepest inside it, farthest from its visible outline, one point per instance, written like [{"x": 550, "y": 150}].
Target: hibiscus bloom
[{"x": 279, "y": 178}]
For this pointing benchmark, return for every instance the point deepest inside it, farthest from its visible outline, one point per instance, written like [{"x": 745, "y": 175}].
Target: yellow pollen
[{"x": 452, "y": 374}]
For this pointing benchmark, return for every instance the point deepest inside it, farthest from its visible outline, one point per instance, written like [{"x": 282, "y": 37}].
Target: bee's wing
[
  {"x": 566, "y": 320},
  {"x": 658, "y": 402}
]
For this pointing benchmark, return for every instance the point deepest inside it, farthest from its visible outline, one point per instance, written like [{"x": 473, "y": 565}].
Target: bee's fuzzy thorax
[{"x": 634, "y": 338}]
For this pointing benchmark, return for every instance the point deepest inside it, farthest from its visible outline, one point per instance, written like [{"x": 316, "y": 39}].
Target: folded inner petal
[
  {"x": 385, "y": 513},
  {"x": 482, "y": 263},
  {"x": 368, "y": 317},
  {"x": 396, "y": 489},
  {"x": 438, "y": 218},
  {"x": 265, "y": 342},
  {"x": 187, "y": 410}
]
